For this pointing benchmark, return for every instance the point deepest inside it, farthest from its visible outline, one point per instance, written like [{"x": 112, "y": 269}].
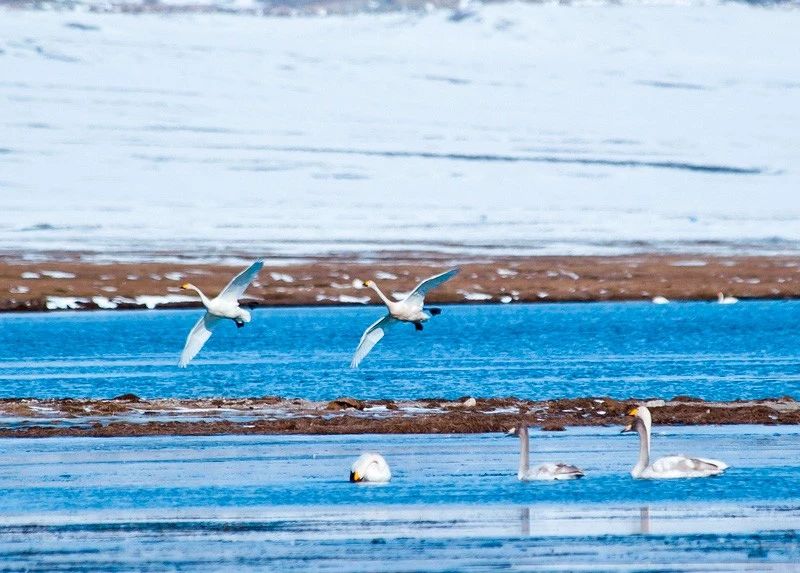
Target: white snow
[
  {"x": 104, "y": 302},
  {"x": 30, "y": 275},
  {"x": 345, "y": 298},
  {"x": 57, "y": 274},
  {"x": 173, "y": 276},
  {"x": 19, "y": 289},
  {"x": 476, "y": 295},
  {"x": 65, "y": 302},
  {"x": 152, "y": 301},
  {"x": 282, "y": 277},
  {"x": 384, "y": 276},
  {"x": 525, "y": 128}
]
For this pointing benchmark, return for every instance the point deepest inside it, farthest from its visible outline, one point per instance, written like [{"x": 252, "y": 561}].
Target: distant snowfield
[{"x": 520, "y": 129}]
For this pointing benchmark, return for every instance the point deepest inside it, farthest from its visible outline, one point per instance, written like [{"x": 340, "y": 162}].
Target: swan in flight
[
  {"x": 722, "y": 299},
  {"x": 225, "y": 305},
  {"x": 370, "y": 467},
  {"x": 546, "y": 471},
  {"x": 410, "y": 309},
  {"x": 668, "y": 467}
]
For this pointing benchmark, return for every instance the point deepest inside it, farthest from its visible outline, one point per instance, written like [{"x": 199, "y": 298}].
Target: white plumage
[
  {"x": 410, "y": 309},
  {"x": 668, "y": 467},
  {"x": 224, "y": 305},
  {"x": 370, "y": 467}
]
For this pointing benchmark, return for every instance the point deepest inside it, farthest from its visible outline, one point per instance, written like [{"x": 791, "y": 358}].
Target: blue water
[
  {"x": 454, "y": 503},
  {"x": 712, "y": 351}
]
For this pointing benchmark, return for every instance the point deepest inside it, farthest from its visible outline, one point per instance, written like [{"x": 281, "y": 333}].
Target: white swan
[
  {"x": 410, "y": 309},
  {"x": 546, "y": 471},
  {"x": 668, "y": 467},
  {"x": 225, "y": 305},
  {"x": 370, "y": 467},
  {"x": 722, "y": 299},
  {"x": 660, "y": 300}
]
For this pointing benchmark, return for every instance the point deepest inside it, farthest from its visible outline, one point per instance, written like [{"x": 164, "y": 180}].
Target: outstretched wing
[
  {"x": 371, "y": 337},
  {"x": 418, "y": 294},
  {"x": 197, "y": 338},
  {"x": 235, "y": 289}
]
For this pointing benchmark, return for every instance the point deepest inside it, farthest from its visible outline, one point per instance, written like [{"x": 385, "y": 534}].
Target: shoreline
[
  {"x": 75, "y": 284},
  {"x": 130, "y": 416}
]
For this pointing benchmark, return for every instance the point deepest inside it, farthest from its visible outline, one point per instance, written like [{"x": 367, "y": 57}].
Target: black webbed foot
[
  {"x": 434, "y": 311},
  {"x": 418, "y": 325}
]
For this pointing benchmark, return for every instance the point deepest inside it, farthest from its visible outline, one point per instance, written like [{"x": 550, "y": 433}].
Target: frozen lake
[
  {"x": 512, "y": 128},
  {"x": 249, "y": 503}
]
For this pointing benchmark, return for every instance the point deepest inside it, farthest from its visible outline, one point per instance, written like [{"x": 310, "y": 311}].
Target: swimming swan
[
  {"x": 225, "y": 305},
  {"x": 410, "y": 309},
  {"x": 546, "y": 471},
  {"x": 370, "y": 467},
  {"x": 668, "y": 467},
  {"x": 722, "y": 299}
]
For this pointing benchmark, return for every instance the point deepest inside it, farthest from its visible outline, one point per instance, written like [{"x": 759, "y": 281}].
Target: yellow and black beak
[
  {"x": 185, "y": 286},
  {"x": 629, "y": 428},
  {"x": 355, "y": 477}
]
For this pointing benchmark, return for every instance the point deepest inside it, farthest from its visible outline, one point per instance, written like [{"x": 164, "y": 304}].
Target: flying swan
[
  {"x": 225, "y": 305},
  {"x": 370, "y": 467},
  {"x": 546, "y": 471},
  {"x": 668, "y": 467},
  {"x": 410, "y": 309}
]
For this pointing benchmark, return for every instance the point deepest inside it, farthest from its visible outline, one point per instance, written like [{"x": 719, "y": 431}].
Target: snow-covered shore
[{"x": 516, "y": 129}]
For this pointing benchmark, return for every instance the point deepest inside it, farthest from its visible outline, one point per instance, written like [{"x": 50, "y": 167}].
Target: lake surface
[
  {"x": 747, "y": 350},
  {"x": 278, "y": 502}
]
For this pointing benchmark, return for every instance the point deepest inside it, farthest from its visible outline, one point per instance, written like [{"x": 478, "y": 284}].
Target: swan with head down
[{"x": 370, "y": 468}]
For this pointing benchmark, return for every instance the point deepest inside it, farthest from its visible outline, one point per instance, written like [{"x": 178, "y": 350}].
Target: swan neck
[
  {"x": 644, "y": 447},
  {"x": 524, "y": 448},
  {"x": 385, "y": 300},
  {"x": 203, "y": 297}
]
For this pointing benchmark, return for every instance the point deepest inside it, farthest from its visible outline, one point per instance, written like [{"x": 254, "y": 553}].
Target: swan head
[
  {"x": 370, "y": 467},
  {"x": 641, "y": 415},
  {"x": 369, "y": 283},
  {"x": 187, "y": 286}
]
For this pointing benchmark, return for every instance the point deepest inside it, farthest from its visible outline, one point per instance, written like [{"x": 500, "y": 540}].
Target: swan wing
[
  {"x": 371, "y": 337},
  {"x": 197, "y": 338},
  {"x": 235, "y": 289},
  {"x": 558, "y": 471},
  {"x": 683, "y": 466},
  {"x": 418, "y": 294}
]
